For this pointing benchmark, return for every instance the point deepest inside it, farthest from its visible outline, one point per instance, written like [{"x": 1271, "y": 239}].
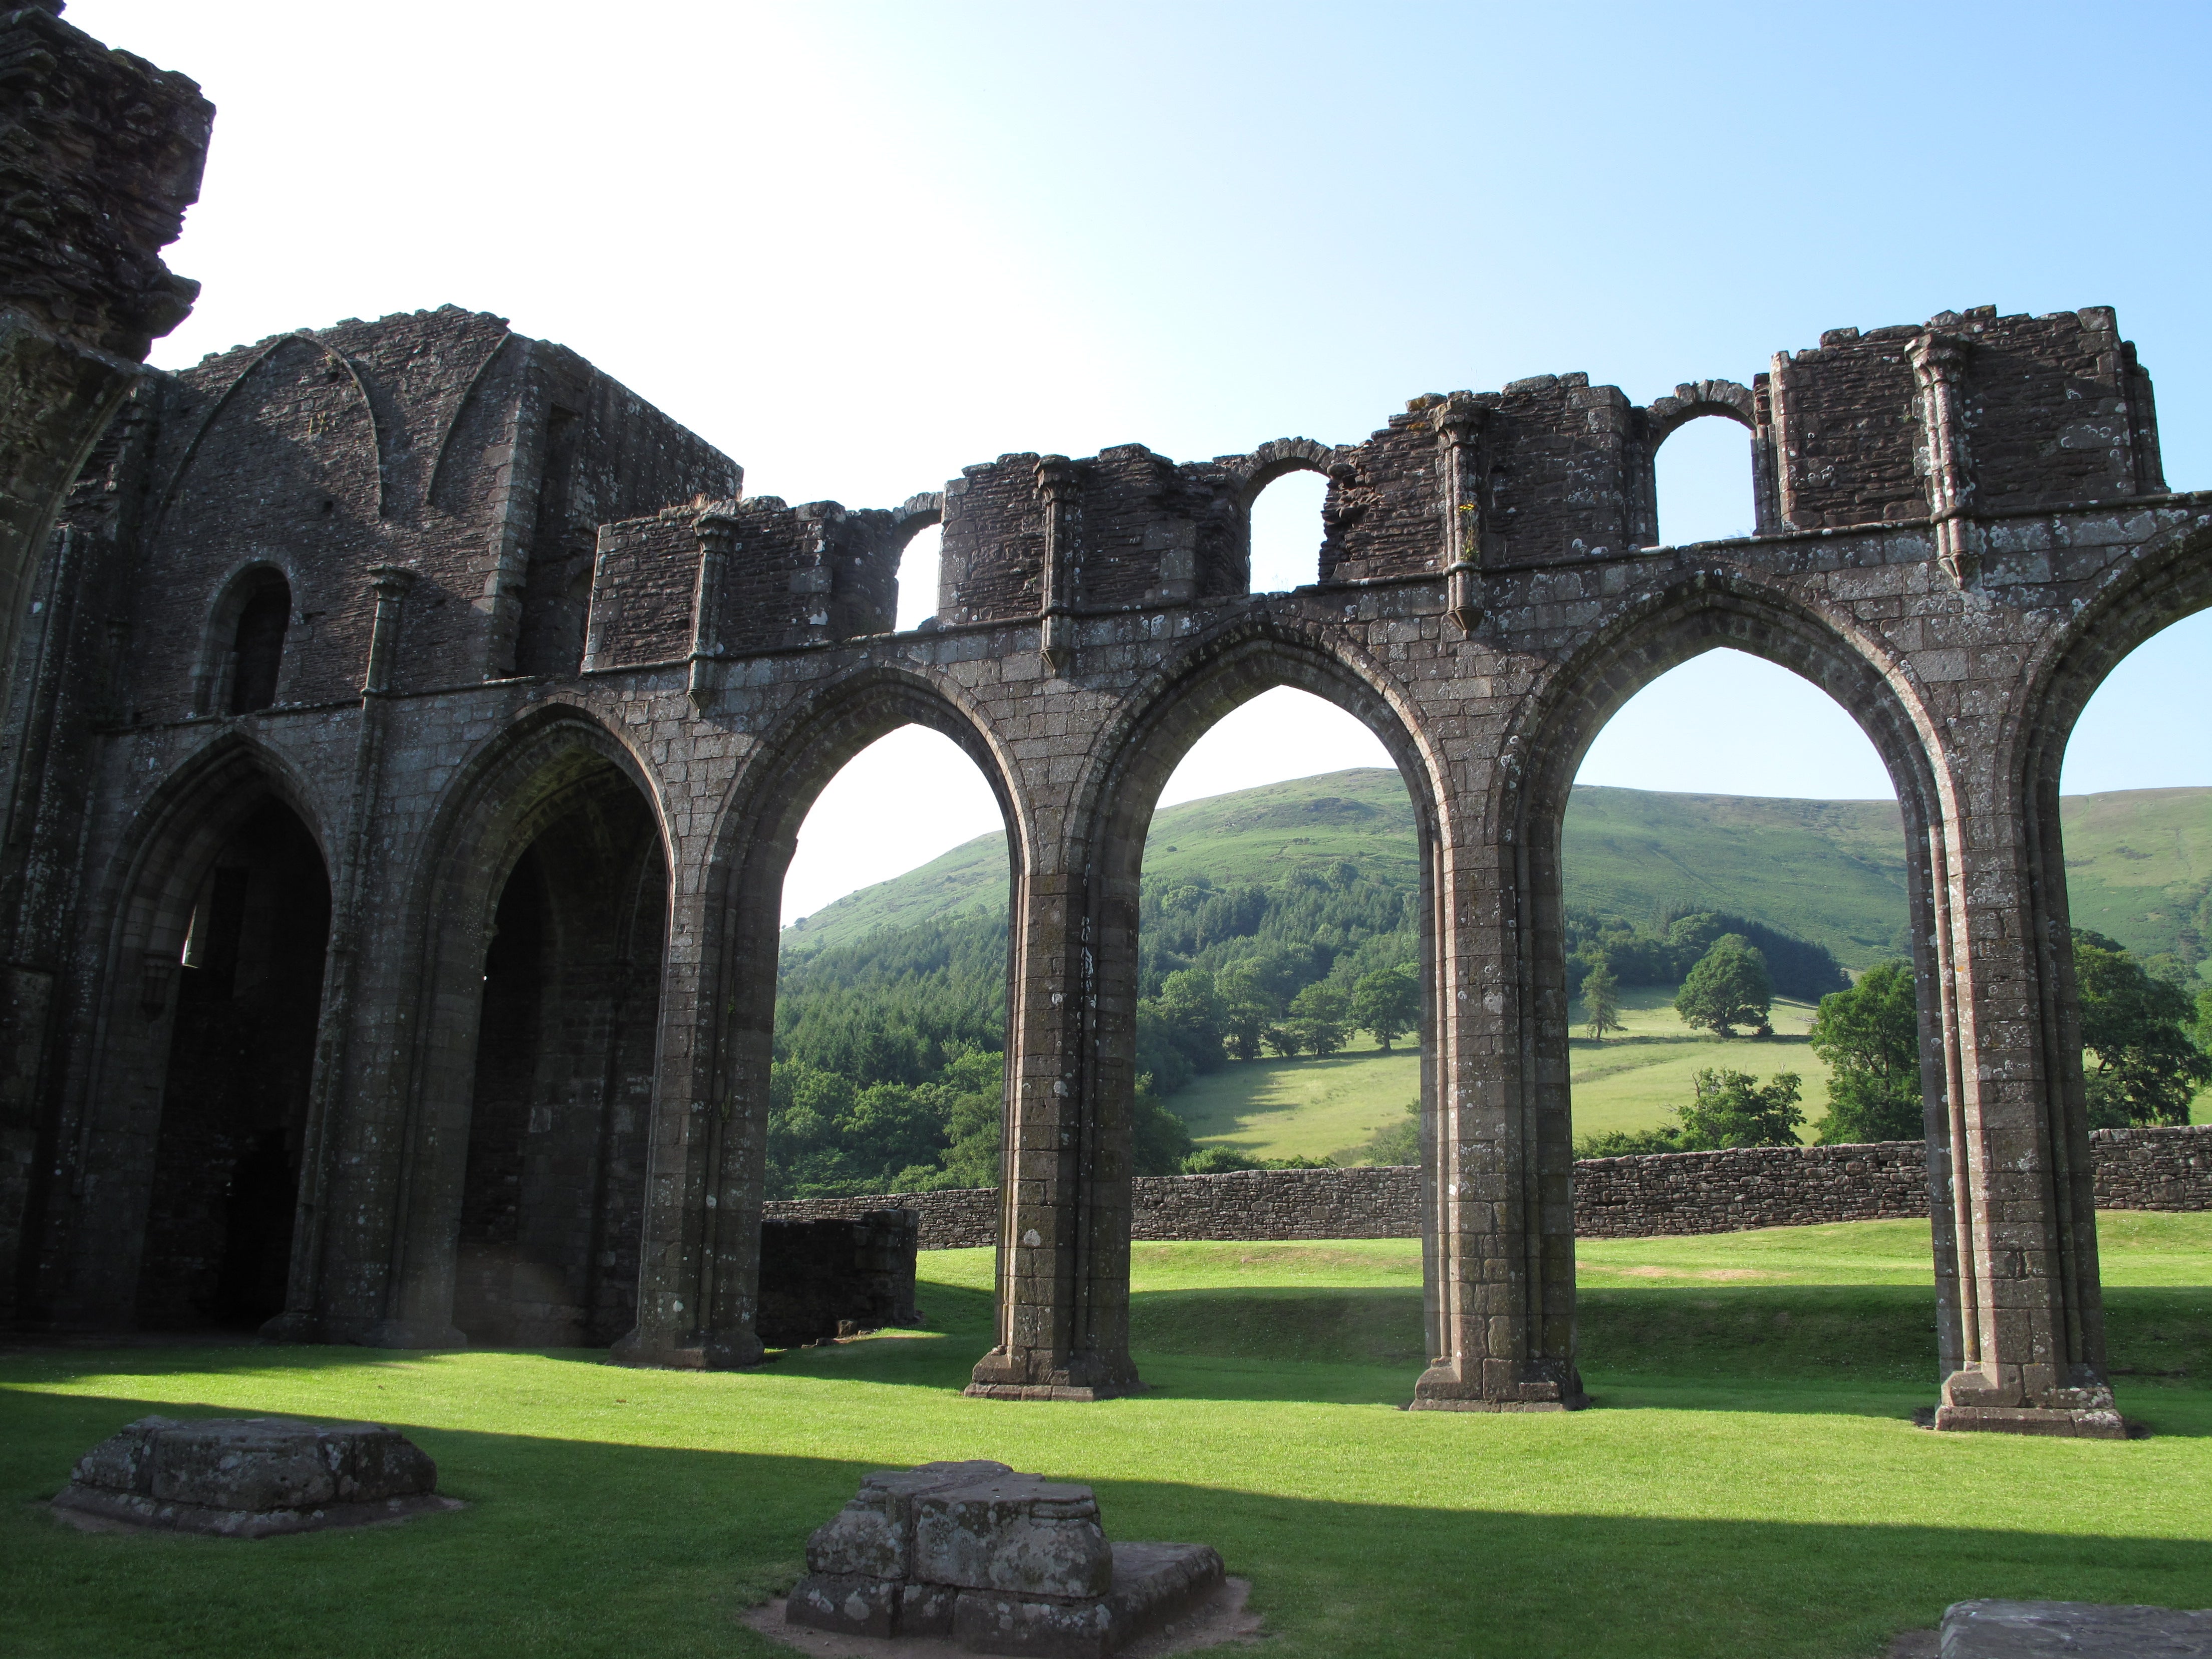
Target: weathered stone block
[
  {"x": 2079, "y": 1629},
  {"x": 1005, "y": 1563},
  {"x": 251, "y": 1477},
  {"x": 1015, "y": 1533}
]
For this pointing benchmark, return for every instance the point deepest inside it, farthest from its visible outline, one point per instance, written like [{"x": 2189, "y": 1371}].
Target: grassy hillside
[
  {"x": 2139, "y": 862},
  {"x": 2139, "y": 865}
]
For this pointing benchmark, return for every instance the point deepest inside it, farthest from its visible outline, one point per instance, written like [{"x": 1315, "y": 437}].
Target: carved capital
[
  {"x": 1055, "y": 477},
  {"x": 1938, "y": 358},
  {"x": 1458, "y": 420},
  {"x": 390, "y": 581}
]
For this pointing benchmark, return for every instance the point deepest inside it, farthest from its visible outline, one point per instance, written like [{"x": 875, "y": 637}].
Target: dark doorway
[
  {"x": 241, "y": 1057},
  {"x": 553, "y": 1196}
]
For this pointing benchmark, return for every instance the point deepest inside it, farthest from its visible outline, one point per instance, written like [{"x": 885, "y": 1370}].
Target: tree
[
  {"x": 1731, "y": 1109},
  {"x": 1387, "y": 1002},
  {"x": 1870, "y": 1037},
  {"x": 1320, "y": 1014},
  {"x": 1191, "y": 1008},
  {"x": 1246, "y": 1007},
  {"x": 1398, "y": 1142},
  {"x": 1287, "y": 1040},
  {"x": 1602, "y": 1004},
  {"x": 2148, "y": 1065},
  {"x": 1160, "y": 1140},
  {"x": 1630, "y": 1143},
  {"x": 1729, "y": 988}
]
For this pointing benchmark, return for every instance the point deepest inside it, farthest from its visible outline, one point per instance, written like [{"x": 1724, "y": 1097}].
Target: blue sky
[{"x": 860, "y": 245}]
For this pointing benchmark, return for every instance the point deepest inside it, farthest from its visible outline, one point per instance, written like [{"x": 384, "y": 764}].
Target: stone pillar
[
  {"x": 2030, "y": 1316},
  {"x": 717, "y": 530},
  {"x": 1497, "y": 1156},
  {"x": 1939, "y": 363},
  {"x": 699, "y": 1254},
  {"x": 1459, "y": 422},
  {"x": 1064, "y": 1197},
  {"x": 1055, "y": 477}
]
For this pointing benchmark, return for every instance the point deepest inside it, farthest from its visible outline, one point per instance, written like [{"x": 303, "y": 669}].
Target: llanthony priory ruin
[{"x": 409, "y": 727}]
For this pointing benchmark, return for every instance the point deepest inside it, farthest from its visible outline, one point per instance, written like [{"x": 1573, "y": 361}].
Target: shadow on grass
[
  {"x": 1860, "y": 1350},
  {"x": 579, "y": 1548}
]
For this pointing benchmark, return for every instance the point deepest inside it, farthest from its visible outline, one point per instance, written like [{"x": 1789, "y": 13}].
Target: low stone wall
[{"x": 1614, "y": 1197}]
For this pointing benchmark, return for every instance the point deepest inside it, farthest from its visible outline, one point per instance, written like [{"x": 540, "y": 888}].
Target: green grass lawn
[
  {"x": 1749, "y": 1483},
  {"x": 1635, "y": 1079},
  {"x": 1302, "y": 1107}
]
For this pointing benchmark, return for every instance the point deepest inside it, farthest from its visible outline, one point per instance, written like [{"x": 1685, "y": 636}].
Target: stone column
[
  {"x": 1064, "y": 1197},
  {"x": 2030, "y": 1317},
  {"x": 699, "y": 1255},
  {"x": 1459, "y": 422},
  {"x": 1497, "y": 1159},
  {"x": 717, "y": 529},
  {"x": 1939, "y": 363},
  {"x": 1055, "y": 477}
]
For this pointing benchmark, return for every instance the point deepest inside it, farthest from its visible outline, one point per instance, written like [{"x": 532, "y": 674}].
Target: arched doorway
[
  {"x": 552, "y": 1189},
  {"x": 235, "y": 1092}
]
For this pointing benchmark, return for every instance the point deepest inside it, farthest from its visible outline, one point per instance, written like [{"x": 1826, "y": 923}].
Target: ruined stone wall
[
  {"x": 439, "y": 441},
  {"x": 1640, "y": 1197},
  {"x": 1484, "y": 611}
]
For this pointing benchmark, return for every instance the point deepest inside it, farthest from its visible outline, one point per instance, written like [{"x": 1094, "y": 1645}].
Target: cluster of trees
[
  {"x": 2146, "y": 1041},
  {"x": 1200, "y": 1020},
  {"x": 1664, "y": 951}
]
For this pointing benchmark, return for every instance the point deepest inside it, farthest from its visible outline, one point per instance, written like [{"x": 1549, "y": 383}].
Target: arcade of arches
[{"x": 514, "y": 1089}]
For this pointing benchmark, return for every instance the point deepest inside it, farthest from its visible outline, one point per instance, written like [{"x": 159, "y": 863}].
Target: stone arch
[
  {"x": 215, "y": 682},
  {"x": 1095, "y": 961},
  {"x": 559, "y": 766},
  {"x": 2155, "y": 586},
  {"x": 149, "y": 897},
  {"x": 908, "y": 520},
  {"x": 1693, "y": 399},
  {"x": 1271, "y": 460},
  {"x": 472, "y": 409},
  {"x": 1250, "y": 475},
  {"x": 1543, "y": 751},
  {"x": 737, "y": 909},
  {"x": 248, "y": 382}
]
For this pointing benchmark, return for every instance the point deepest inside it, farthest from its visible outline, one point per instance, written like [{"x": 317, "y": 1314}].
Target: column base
[
  {"x": 1977, "y": 1399},
  {"x": 1027, "y": 1374},
  {"x": 1049, "y": 1391},
  {"x": 695, "y": 1351},
  {"x": 1499, "y": 1387},
  {"x": 2104, "y": 1425}
]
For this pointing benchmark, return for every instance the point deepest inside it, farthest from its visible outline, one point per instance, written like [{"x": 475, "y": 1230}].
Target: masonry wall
[{"x": 1614, "y": 1197}]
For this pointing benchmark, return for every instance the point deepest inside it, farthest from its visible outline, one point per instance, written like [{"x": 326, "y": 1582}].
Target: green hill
[{"x": 2139, "y": 862}]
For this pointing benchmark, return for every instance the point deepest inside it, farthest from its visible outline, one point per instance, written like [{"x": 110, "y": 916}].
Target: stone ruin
[
  {"x": 412, "y": 696},
  {"x": 834, "y": 1276},
  {"x": 1000, "y": 1562},
  {"x": 250, "y": 1477}
]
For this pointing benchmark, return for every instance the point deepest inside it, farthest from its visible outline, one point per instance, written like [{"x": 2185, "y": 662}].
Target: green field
[
  {"x": 1748, "y": 1482},
  {"x": 1309, "y": 1108},
  {"x": 1635, "y": 1079},
  {"x": 1302, "y": 1108}
]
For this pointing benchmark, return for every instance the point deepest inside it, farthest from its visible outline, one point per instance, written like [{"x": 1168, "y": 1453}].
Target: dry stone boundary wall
[{"x": 1614, "y": 1197}]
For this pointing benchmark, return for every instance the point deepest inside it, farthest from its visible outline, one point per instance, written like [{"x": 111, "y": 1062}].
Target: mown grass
[
  {"x": 1308, "y": 1107},
  {"x": 1634, "y": 1079},
  {"x": 1749, "y": 1482}
]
